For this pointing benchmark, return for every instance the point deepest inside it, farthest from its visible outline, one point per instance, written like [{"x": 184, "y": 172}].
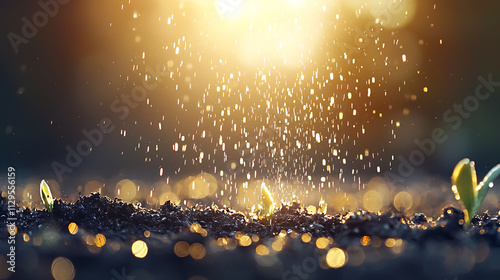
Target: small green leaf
[
  {"x": 485, "y": 185},
  {"x": 464, "y": 182},
  {"x": 268, "y": 201},
  {"x": 46, "y": 196}
]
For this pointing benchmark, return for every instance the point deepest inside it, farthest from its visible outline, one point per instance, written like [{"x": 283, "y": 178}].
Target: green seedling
[
  {"x": 46, "y": 196},
  {"x": 267, "y": 200},
  {"x": 467, "y": 190},
  {"x": 323, "y": 207}
]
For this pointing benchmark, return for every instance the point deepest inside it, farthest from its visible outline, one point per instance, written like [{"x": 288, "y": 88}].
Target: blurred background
[{"x": 203, "y": 101}]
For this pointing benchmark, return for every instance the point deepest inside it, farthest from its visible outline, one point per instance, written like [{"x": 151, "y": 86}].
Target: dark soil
[{"x": 433, "y": 248}]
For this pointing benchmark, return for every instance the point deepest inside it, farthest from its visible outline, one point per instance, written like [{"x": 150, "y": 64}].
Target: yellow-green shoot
[
  {"x": 267, "y": 200},
  {"x": 46, "y": 196},
  {"x": 467, "y": 190},
  {"x": 323, "y": 207}
]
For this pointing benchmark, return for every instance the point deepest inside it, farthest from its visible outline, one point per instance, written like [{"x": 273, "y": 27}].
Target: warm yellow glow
[
  {"x": 311, "y": 209},
  {"x": 277, "y": 245},
  {"x": 182, "y": 249},
  {"x": 100, "y": 240},
  {"x": 262, "y": 250},
  {"x": 455, "y": 191},
  {"x": 92, "y": 186},
  {"x": 245, "y": 241},
  {"x": 342, "y": 201},
  {"x": 73, "y": 228},
  {"x": 323, "y": 207},
  {"x": 396, "y": 245},
  {"x": 221, "y": 241},
  {"x": 372, "y": 201},
  {"x": 238, "y": 234},
  {"x": 197, "y": 251},
  {"x": 195, "y": 227},
  {"x": 322, "y": 242},
  {"x": 336, "y": 258},
  {"x": 403, "y": 201},
  {"x": 306, "y": 238},
  {"x": 390, "y": 242},
  {"x": 62, "y": 269},
  {"x": 46, "y": 196},
  {"x": 139, "y": 249},
  {"x": 197, "y": 189},
  {"x": 12, "y": 229},
  {"x": 169, "y": 196},
  {"x": 255, "y": 238},
  {"x": 280, "y": 32},
  {"x": 126, "y": 190},
  {"x": 267, "y": 200},
  {"x": 365, "y": 240},
  {"x": 89, "y": 239},
  {"x": 201, "y": 186},
  {"x": 388, "y": 13}
]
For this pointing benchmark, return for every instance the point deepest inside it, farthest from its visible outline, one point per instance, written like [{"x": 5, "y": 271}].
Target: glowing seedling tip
[
  {"x": 323, "y": 207},
  {"x": 267, "y": 200},
  {"x": 46, "y": 196}
]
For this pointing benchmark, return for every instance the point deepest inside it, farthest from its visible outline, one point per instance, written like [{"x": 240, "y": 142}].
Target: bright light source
[{"x": 228, "y": 9}]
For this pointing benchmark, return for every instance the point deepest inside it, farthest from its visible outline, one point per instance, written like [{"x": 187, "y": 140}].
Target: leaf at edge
[
  {"x": 488, "y": 179},
  {"x": 46, "y": 195},
  {"x": 463, "y": 179}
]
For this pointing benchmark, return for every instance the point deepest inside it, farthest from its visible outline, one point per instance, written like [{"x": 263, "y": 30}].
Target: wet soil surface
[{"x": 387, "y": 245}]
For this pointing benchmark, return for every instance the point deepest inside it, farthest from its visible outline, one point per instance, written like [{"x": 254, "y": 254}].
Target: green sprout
[
  {"x": 46, "y": 196},
  {"x": 323, "y": 207},
  {"x": 267, "y": 200},
  {"x": 467, "y": 190}
]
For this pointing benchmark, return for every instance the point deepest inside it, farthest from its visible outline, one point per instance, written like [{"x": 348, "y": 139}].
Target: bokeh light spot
[
  {"x": 403, "y": 201},
  {"x": 245, "y": 241},
  {"x": 62, "y": 269},
  {"x": 100, "y": 240},
  {"x": 262, "y": 250},
  {"x": 322, "y": 242},
  {"x": 182, "y": 249},
  {"x": 126, "y": 190},
  {"x": 336, "y": 258},
  {"x": 139, "y": 249},
  {"x": 372, "y": 201},
  {"x": 306, "y": 238},
  {"x": 197, "y": 251},
  {"x": 73, "y": 228}
]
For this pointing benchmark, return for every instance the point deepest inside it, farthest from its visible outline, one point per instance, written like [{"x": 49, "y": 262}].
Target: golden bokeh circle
[
  {"x": 182, "y": 249},
  {"x": 336, "y": 258},
  {"x": 126, "y": 190},
  {"x": 403, "y": 200},
  {"x": 139, "y": 249},
  {"x": 62, "y": 269},
  {"x": 197, "y": 251}
]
